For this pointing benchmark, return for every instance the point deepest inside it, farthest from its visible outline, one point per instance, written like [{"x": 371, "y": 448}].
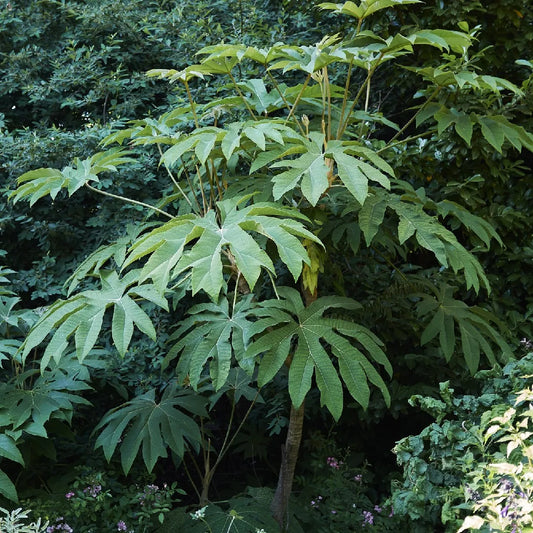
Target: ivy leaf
[
  {"x": 471, "y": 522},
  {"x": 287, "y": 331},
  {"x": 151, "y": 426}
]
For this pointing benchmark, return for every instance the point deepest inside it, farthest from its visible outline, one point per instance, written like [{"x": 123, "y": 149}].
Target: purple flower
[
  {"x": 504, "y": 511},
  {"x": 59, "y": 527},
  {"x": 121, "y": 526},
  {"x": 333, "y": 512},
  {"x": 358, "y": 478},
  {"x": 368, "y": 518},
  {"x": 506, "y": 485},
  {"x": 377, "y": 508},
  {"x": 333, "y": 463},
  {"x": 69, "y": 495},
  {"x": 93, "y": 490}
]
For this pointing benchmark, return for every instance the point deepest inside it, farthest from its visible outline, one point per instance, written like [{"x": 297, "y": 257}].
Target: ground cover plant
[{"x": 286, "y": 246}]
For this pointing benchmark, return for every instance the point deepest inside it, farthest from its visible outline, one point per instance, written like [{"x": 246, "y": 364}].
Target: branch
[{"x": 130, "y": 201}]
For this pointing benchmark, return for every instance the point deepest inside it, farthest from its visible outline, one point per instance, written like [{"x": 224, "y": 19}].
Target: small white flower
[{"x": 198, "y": 514}]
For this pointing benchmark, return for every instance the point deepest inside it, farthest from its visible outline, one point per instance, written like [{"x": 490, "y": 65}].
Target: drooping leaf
[
  {"x": 151, "y": 426},
  {"x": 81, "y": 317},
  {"x": 36, "y": 184},
  {"x": 476, "y": 332},
  {"x": 371, "y": 215},
  {"x": 53, "y": 395},
  {"x": 7, "y": 488},
  {"x": 213, "y": 336},
  {"x": 9, "y": 449}
]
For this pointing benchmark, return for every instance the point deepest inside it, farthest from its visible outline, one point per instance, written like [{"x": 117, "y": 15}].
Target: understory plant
[
  {"x": 95, "y": 503},
  {"x": 261, "y": 191},
  {"x": 340, "y": 497},
  {"x": 471, "y": 469}
]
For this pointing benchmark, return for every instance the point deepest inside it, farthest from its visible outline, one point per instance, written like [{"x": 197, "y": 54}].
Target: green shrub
[{"x": 472, "y": 467}]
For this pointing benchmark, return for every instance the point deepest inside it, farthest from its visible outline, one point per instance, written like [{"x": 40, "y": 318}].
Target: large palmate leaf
[
  {"x": 49, "y": 181},
  {"x": 354, "y": 172},
  {"x": 199, "y": 243},
  {"x": 310, "y": 168},
  {"x": 100, "y": 257},
  {"x": 309, "y": 59},
  {"x": 213, "y": 335},
  {"x": 428, "y": 231},
  {"x": 288, "y": 332},
  {"x": 433, "y": 236},
  {"x": 153, "y": 425},
  {"x": 365, "y": 8},
  {"x": 496, "y": 129},
  {"x": 82, "y": 316},
  {"x": 236, "y": 140},
  {"x": 314, "y": 168},
  {"x": 475, "y": 327},
  {"x": 26, "y": 410},
  {"x": 52, "y": 395}
]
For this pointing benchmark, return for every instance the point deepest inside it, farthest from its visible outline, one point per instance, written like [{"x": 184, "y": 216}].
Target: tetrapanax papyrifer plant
[{"x": 284, "y": 171}]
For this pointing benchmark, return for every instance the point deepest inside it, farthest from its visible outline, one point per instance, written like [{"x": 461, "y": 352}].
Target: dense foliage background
[{"x": 74, "y": 73}]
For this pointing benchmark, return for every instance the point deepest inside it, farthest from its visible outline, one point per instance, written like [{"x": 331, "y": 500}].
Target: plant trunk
[
  {"x": 289, "y": 456},
  {"x": 206, "y": 483}
]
